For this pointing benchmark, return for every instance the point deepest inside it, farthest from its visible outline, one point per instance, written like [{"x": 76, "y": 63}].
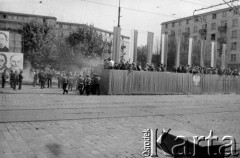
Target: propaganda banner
[
  {"x": 11, "y": 61},
  {"x": 4, "y": 41}
]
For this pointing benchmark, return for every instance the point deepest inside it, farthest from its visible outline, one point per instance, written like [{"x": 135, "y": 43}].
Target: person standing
[
  {"x": 87, "y": 84},
  {"x": 20, "y": 78},
  {"x": 11, "y": 78},
  {"x": 97, "y": 84},
  {"x": 5, "y": 76},
  {"x": 49, "y": 78},
  {"x": 35, "y": 77},
  {"x": 65, "y": 83},
  {"x": 80, "y": 83},
  {"x": 15, "y": 80}
]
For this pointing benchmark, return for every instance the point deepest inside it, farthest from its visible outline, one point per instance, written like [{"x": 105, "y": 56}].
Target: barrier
[{"x": 144, "y": 82}]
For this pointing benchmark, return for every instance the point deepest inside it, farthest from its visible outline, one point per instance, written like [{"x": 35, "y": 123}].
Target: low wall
[{"x": 143, "y": 82}]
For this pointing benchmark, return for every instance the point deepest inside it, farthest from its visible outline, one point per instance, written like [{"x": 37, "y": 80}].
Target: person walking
[
  {"x": 65, "y": 83},
  {"x": 20, "y": 78}
]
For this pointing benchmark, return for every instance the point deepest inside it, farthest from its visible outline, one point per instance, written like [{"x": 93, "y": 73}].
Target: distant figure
[
  {"x": 15, "y": 80},
  {"x": 35, "y": 77},
  {"x": 65, "y": 83},
  {"x": 5, "y": 76},
  {"x": 80, "y": 83},
  {"x": 49, "y": 78},
  {"x": 87, "y": 84},
  {"x": 20, "y": 78}
]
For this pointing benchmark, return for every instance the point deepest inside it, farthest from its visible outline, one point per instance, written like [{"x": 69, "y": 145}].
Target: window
[
  {"x": 235, "y": 22},
  {"x": 204, "y": 17},
  {"x": 196, "y": 20},
  {"x": 213, "y": 37},
  {"x": 213, "y": 26},
  {"x": 195, "y": 29},
  {"x": 9, "y": 17},
  {"x": 204, "y": 26},
  {"x": 15, "y": 17},
  {"x": 4, "y": 16},
  {"x": 166, "y": 25},
  {"x": 234, "y": 46},
  {"x": 60, "y": 25},
  {"x": 234, "y": 34},
  {"x": 233, "y": 57},
  {"x": 187, "y": 29},
  {"x": 187, "y": 21},
  {"x": 180, "y": 23},
  {"x": 214, "y": 16},
  {"x": 179, "y": 32},
  {"x": 224, "y": 14},
  {"x": 173, "y": 24},
  {"x": 224, "y": 23},
  {"x": 235, "y": 11},
  {"x": 194, "y": 38},
  {"x": 172, "y": 32}
]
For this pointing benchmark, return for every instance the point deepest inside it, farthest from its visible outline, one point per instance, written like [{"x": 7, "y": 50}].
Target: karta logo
[{"x": 176, "y": 144}]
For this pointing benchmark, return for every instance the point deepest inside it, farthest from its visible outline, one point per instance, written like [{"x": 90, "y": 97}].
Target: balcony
[
  {"x": 202, "y": 31},
  {"x": 222, "y": 40},
  {"x": 186, "y": 34},
  {"x": 222, "y": 28}
]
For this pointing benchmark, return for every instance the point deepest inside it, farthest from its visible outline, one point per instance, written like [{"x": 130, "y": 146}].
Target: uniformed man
[
  {"x": 20, "y": 78},
  {"x": 11, "y": 78},
  {"x": 42, "y": 78},
  {"x": 4, "y": 78},
  {"x": 97, "y": 84},
  {"x": 87, "y": 84},
  {"x": 15, "y": 79},
  {"x": 35, "y": 77},
  {"x": 65, "y": 83},
  {"x": 49, "y": 78},
  {"x": 80, "y": 83}
]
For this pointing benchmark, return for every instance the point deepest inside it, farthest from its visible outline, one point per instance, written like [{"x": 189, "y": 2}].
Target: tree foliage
[
  {"x": 142, "y": 54},
  {"x": 39, "y": 44},
  {"x": 87, "y": 41}
]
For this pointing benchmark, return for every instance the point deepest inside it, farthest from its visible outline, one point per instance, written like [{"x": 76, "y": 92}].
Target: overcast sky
[{"x": 142, "y": 15}]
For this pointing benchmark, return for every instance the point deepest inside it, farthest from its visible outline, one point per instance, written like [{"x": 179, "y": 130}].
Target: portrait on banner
[
  {"x": 11, "y": 61},
  {"x": 4, "y": 41}
]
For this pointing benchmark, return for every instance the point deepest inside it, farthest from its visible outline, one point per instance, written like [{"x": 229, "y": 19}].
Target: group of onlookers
[
  {"x": 14, "y": 79},
  {"x": 110, "y": 64},
  {"x": 208, "y": 70}
]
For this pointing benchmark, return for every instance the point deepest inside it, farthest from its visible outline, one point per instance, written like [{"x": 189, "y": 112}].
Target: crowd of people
[
  {"x": 208, "y": 70},
  {"x": 110, "y": 64},
  {"x": 68, "y": 81},
  {"x": 14, "y": 79}
]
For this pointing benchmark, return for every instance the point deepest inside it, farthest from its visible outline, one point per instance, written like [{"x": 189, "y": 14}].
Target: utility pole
[{"x": 119, "y": 14}]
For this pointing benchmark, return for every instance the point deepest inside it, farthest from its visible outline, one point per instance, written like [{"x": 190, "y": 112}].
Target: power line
[
  {"x": 215, "y": 6},
  {"x": 143, "y": 11},
  {"x": 235, "y": 10},
  {"x": 193, "y": 3}
]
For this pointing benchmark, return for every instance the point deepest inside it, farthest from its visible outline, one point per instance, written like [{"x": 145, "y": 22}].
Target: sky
[{"x": 142, "y": 15}]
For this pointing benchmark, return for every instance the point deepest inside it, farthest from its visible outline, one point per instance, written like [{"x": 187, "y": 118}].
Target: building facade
[
  {"x": 220, "y": 26},
  {"x": 11, "y": 22}
]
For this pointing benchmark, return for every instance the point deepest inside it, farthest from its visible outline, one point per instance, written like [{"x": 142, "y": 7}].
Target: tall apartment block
[{"x": 219, "y": 26}]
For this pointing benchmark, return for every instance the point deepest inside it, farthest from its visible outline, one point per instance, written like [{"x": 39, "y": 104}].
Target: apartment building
[
  {"x": 221, "y": 26},
  {"x": 10, "y": 21}
]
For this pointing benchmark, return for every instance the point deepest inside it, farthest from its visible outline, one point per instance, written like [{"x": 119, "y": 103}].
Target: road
[{"x": 44, "y": 123}]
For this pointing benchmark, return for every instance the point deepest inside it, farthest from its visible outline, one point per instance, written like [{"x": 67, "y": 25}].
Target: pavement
[{"x": 44, "y": 123}]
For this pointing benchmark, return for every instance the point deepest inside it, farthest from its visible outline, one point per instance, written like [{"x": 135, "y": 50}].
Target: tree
[
  {"x": 142, "y": 55},
  {"x": 87, "y": 41},
  {"x": 39, "y": 44}
]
